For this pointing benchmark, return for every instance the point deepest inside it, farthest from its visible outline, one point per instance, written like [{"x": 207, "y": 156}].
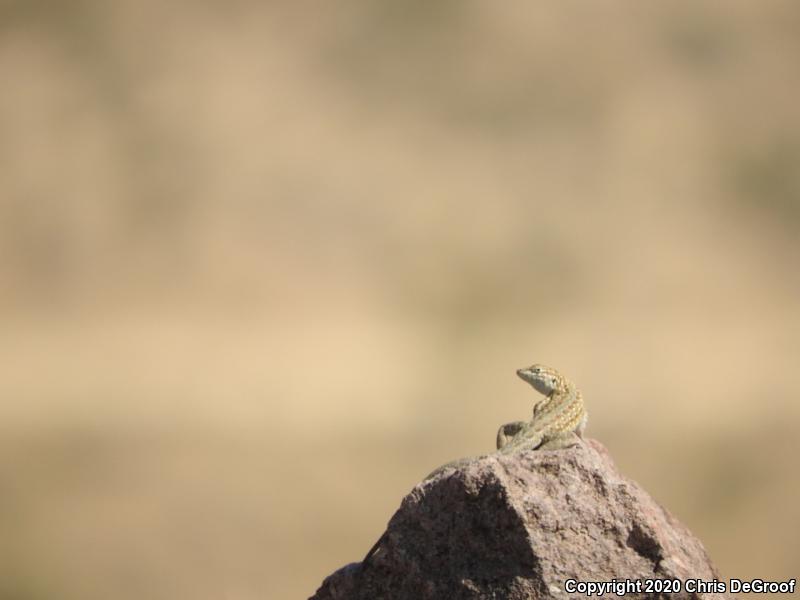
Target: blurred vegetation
[{"x": 768, "y": 179}]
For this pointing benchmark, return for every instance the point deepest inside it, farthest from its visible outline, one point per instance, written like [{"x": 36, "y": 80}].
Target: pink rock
[{"x": 522, "y": 525}]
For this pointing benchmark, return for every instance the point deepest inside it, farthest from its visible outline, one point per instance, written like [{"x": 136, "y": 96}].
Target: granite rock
[{"x": 520, "y": 526}]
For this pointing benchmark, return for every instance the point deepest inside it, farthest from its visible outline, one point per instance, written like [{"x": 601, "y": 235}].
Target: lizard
[{"x": 557, "y": 418}]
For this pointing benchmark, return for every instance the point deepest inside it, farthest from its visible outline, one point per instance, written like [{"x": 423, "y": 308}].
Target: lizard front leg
[{"x": 508, "y": 431}]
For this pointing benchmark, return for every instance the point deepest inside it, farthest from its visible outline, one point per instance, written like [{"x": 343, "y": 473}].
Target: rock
[{"x": 521, "y": 525}]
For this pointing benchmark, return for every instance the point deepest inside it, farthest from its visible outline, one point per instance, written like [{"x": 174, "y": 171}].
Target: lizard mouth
[{"x": 523, "y": 374}]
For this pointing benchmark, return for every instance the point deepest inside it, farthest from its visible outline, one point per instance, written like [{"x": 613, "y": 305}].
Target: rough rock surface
[{"x": 519, "y": 526}]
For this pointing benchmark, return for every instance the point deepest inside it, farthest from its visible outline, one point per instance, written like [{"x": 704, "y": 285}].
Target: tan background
[{"x": 265, "y": 265}]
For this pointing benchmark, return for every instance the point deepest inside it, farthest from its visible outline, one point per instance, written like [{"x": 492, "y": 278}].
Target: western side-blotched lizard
[{"x": 556, "y": 418}]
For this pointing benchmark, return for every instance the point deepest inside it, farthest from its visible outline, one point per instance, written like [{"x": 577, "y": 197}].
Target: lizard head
[{"x": 544, "y": 380}]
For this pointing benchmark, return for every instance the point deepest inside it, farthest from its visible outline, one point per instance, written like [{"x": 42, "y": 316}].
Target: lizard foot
[{"x": 561, "y": 441}]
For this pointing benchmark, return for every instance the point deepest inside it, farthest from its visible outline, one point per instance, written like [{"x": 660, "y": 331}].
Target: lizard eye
[{"x": 536, "y": 370}]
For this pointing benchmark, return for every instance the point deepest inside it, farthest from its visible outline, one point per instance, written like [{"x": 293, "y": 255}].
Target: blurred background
[{"x": 263, "y": 266}]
